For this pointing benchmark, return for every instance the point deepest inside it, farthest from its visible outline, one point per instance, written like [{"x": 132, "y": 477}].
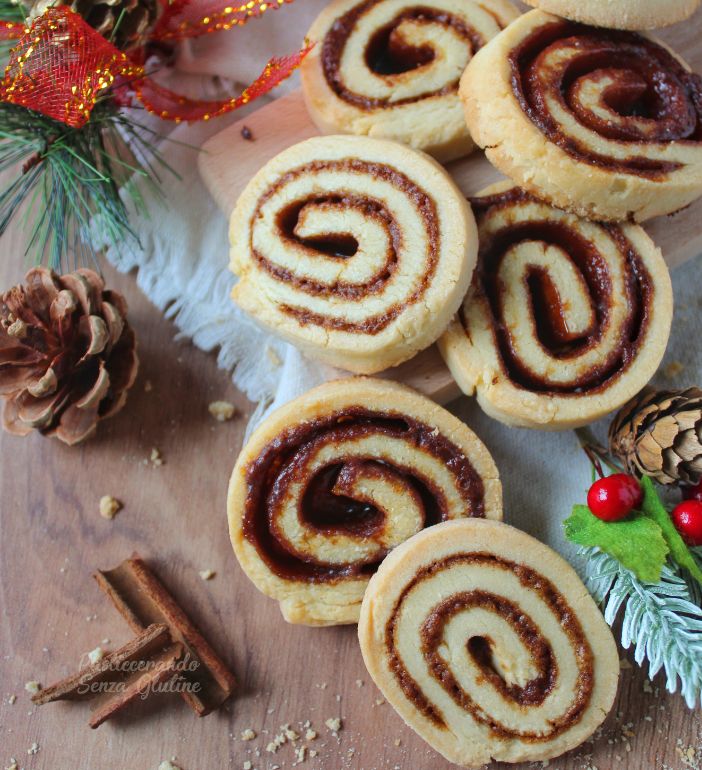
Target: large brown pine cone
[
  {"x": 659, "y": 433},
  {"x": 67, "y": 354}
]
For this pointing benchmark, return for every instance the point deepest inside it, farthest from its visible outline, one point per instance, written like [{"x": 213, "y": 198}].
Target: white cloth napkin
[{"x": 182, "y": 268}]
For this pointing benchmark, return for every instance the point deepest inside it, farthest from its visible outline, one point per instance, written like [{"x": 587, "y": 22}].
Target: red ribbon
[{"x": 61, "y": 65}]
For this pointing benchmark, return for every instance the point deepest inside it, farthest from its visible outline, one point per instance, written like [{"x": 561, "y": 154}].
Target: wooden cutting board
[{"x": 228, "y": 161}]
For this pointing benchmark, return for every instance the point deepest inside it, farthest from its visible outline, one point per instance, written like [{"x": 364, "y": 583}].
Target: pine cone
[
  {"x": 659, "y": 433},
  {"x": 67, "y": 354},
  {"x": 136, "y": 18}
]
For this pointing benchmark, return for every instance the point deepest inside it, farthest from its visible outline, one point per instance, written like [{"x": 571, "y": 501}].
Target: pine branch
[
  {"x": 662, "y": 620},
  {"x": 69, "y": 180}
]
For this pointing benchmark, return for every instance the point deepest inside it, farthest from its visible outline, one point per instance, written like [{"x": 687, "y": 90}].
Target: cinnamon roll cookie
[
  {"x": 356, "y": 250},
  {"x": 621, "y": 14},
  {"x": 390, "y": 68},
  {"x": 332, "y": 481},
  {"x": 566, "y": 319},
  {"x": 605, "y": 123},
  {"x": 487, "y": 644}
]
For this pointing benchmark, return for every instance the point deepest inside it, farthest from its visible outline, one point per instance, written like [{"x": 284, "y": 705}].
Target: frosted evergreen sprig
[{"x": 663, "y": 621}]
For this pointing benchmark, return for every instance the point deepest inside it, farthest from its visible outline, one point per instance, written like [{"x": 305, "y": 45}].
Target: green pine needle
[
  {"x": 663, "y": 620},
  {"x": 68, "y": 180}
]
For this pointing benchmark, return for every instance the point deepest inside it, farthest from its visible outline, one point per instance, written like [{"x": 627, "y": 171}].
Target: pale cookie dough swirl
[
  {"x": 487, "y": 644},
  {"x": 356, "y": 250},
  {"x": 621, "y": 14},
  {"x": 566, "y": 319},
  {"x": 390, "y": 68},
  {"x": 333, "y": 481},
  {"x": 602, "y": 122}
]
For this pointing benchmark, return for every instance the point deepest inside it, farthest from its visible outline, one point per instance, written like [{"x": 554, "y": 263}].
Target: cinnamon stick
[
  {"x": 122, "y": 676},
  {"x": 142, "y": 600}
]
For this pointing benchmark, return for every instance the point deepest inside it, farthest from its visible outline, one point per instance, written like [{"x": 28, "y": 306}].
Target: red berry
[
  {"x": 614, "y": 497},
  {"x": 687, "y": 517},
  {"x": 694, "y": 492}
]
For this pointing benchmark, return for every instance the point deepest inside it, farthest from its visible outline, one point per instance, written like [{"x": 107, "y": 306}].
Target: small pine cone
[
  {"x": 659, "y": 434},
  {"x": 67, "y": 354},
  {"x": 126, "y": 23}
]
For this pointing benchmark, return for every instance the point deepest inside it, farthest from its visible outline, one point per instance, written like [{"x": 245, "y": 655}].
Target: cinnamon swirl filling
[
  {"x": 328, "y": 498},
  {"x": 568, "y": 302},
  {"x": 438, "y": 640},
  {"x": 610, "y": 98}
]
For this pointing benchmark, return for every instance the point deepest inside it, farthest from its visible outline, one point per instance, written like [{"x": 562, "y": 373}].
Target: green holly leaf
[
  {"x": 637, "y": 542},
  {"x": 653, "y": 508}
]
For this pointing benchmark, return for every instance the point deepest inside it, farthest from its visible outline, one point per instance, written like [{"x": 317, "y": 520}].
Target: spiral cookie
[
  {"x": 390, "y": 68},
  {"x": 621, "y": 14},
  {"x": 566, "y": 319},
  {"x": 332, "y": 481},
  {"x": 356, "y": 250},
  {"x": 487, "y": 644},
  {"x": 602, "y": 122}
]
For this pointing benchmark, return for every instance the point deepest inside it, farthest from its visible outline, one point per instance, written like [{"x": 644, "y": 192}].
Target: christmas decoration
[
  {"x": 614, "y": 497},
  {"x": 687, "y": 517},
  {"x": 73, "y": 69},
  {"x": 659, "y": 434},
  {"x": 641, "y": 568},
  {"x": 67, "y": 354},
  {"x": 125, "y": 23}
]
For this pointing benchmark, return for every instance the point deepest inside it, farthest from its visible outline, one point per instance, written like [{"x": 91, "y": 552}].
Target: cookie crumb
[
  {"x": 168, "y": 765},
  {"x": 207, "y": 574},
  {"x": 359, "y": 683},
  {"x": 310, "y": 735},
  {"x": 11, "y": 700},
  {"x": 17, "y": 329},
  {"x": 334, "y": 724},
  {"x": 32, "y": 687},
  {"x": 247, "y": 765},
  {"x": 109, "y": 506},
  {"x": 673, "y": 369},
  {"x": 33, "y": 749},
  {"x": 222, "y": 410},
  {"x": 248, "y": 734},
  {"x": 13, "y": 764},
  {"x": 96, "y": 655},
  {"x": 155, "y": 457}
]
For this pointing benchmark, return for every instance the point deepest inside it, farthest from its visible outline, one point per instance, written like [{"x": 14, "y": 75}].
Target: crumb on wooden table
[
  {"x": 334, "y": 724},
  {"x": 207, "y": 574},
  {"x": 109, "y": 506},
  {"x": 222, "y": 410},
  {"x": 247, "y": 735},
  {"x": 32, "y": 687}
]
